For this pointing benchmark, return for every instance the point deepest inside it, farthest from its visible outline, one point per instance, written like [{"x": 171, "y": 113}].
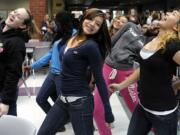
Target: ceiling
[{"x": 106, "y": 3}]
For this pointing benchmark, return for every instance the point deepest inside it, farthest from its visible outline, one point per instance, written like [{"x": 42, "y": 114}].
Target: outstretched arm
[{"x": 134, "y": 77}]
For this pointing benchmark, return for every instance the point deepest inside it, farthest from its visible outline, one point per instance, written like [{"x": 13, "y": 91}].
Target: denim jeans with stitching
[
  {"x": 79, "y": 111},
  {"x": 50, "y": 88}
]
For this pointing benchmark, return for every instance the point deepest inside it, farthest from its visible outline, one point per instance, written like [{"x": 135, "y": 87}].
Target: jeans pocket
[
  {"x": 81, "y": 103},
  {"x": 88, "y": 107}
]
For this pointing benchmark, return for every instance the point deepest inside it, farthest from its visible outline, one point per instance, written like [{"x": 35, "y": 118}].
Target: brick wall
[{"x": 38, "y": 8}]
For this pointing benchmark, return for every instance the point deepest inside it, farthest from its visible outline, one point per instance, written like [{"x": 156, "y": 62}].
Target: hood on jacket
[{"x": 14, "y": 32}]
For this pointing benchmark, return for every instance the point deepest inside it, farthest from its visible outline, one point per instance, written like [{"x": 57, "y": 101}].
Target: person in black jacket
[{"x": 13, "y": 35}]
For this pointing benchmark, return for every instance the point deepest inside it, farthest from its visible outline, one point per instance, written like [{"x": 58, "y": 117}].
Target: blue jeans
[
  {"x": 79, "y": 111},
  {"x": 142, "y": 122},
  {"x": 50, "y": 88}
]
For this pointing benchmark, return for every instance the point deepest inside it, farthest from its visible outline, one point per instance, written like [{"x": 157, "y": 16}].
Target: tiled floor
[{"x": 28, "y": 109}]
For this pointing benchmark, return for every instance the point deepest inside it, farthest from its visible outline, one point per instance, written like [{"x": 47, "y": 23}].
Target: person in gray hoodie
[{"x": 118, "y": 65}]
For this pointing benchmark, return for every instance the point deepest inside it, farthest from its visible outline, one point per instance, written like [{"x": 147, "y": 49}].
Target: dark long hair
[
  {"x": 102, "y": 36},
  {"x": 64, "y": 27}
]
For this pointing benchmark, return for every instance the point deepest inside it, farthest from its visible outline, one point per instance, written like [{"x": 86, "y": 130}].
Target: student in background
[
  {"x": 45, "y": 24},
  {"x": 117, "y": 23},
  {"x": 49, "y": 35}
]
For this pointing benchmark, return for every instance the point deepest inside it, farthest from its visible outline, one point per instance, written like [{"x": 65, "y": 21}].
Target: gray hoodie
[{"x": 127, "y": 43}]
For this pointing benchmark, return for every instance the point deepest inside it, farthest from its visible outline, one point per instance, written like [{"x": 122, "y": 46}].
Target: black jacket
[{"x": 11, "y": 60}]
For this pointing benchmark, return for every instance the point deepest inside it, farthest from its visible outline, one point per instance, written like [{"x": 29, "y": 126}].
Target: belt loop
[{"x": 66, "y": 99}]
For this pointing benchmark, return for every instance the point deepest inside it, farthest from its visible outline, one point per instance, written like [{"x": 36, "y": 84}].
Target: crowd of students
[{"x": 137, "y": 60}]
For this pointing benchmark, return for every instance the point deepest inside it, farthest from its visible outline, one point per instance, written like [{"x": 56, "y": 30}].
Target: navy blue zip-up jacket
[{"x": 73, "y": 76}]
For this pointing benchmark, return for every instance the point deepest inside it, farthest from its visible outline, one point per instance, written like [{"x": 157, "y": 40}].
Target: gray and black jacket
[{"x": 127, "y": 43}]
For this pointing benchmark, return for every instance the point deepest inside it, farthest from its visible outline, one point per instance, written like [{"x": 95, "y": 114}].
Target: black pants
[{"x": 142, "y": 122}]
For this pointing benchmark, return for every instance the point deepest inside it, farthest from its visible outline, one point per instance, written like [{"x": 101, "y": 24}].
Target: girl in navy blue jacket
[{"x": 87, "y": 48}]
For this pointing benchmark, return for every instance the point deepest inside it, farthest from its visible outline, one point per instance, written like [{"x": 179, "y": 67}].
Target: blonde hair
[
  {"x": 173, "y": 35},
  {"x": 112, "y": 27},
  {"x": 34, "y": 31},
  {"x": 166, "y": 38}
]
